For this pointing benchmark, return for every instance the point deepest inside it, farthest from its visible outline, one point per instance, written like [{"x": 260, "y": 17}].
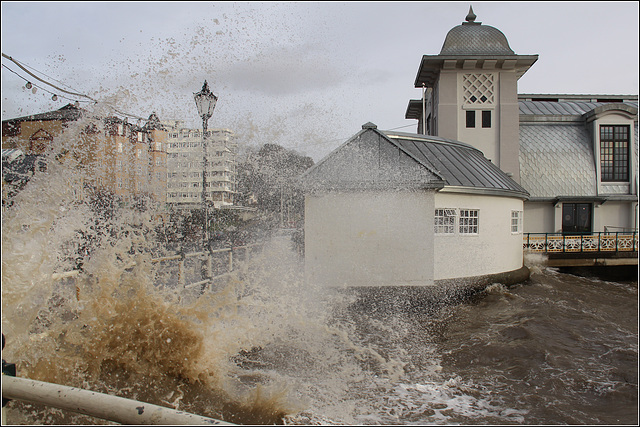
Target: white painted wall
[
  {"x": 493, "y": 250},
  {"x": 539, "y": 217},
  {"x": 614, "y": 215},
  {"x": 369, "y": 238}
]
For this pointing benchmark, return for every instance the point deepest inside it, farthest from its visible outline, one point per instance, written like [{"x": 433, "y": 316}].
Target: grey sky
[{"x": 304, "y": 75}]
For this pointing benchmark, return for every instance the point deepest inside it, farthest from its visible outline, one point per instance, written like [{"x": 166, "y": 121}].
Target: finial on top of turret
[{"x": 471, "y": 17}]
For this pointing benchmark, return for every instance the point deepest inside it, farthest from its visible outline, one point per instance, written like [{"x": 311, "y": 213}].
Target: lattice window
[
  {"x": 444, "y": 221},
  {"x": 478, "y": 89},
  {"x": 468, "y": 221}
]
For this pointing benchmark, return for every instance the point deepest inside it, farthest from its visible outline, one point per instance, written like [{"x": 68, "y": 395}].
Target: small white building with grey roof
[{"x": 393, "y": 209}]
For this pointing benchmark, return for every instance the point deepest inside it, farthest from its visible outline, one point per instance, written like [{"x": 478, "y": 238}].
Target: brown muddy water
[{"x": 558, "y": 349}]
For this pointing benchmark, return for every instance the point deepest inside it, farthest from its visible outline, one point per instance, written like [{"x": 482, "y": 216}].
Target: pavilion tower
[{"x": 471, "y": 92}]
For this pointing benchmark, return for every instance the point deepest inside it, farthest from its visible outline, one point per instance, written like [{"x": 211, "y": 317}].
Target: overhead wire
[
  {"x": 41, "y": 88},
  {"x": 23, "y": 68},
  {"x": 44, "y": 74}
]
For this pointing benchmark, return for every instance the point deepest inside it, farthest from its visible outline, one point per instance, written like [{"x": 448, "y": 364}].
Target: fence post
[{"x": 181, "y": 279}]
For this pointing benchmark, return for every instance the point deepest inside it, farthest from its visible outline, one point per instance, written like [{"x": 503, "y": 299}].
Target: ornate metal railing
[{"x": 584, "y": 242}]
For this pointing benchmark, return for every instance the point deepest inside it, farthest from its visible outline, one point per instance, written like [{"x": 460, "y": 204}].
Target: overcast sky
[{"x": 303, "y": 75}]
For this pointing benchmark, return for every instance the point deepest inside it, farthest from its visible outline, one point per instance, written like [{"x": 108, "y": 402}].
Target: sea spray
[{"x": 256, "y": 346}]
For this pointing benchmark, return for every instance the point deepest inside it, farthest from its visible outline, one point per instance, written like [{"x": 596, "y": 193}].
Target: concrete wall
[
  {"x": 493, "y": 250},
  {"x": 369, "y": 238},
  {"x": 615, "y": 216},
  {"x": 540, "y": 218}
]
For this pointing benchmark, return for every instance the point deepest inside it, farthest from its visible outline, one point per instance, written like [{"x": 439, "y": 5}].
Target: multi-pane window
[
  {"x": 444, "y": 221},
  {"x": 516, "y": 221},
  {"x": 614, "y": 152},
  {"x": 468, "y": 221}
]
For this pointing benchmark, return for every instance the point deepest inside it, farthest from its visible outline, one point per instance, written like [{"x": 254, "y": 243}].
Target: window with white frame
[
  {"x": 516, "y": 222},
  {"x": 444, "y": 221},
  {"x": 468, "y": 223}
]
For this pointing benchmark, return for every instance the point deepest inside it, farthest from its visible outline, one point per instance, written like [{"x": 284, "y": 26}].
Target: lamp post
[{"x": 205, "y": 102}]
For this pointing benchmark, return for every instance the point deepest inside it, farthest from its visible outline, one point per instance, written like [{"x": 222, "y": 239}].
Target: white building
[
  {"x": 452, "y": 202},
  {"x": 575, "y": 154},
  {"x": 185, "y": 166},
  {"x": 389, "y": 209}
]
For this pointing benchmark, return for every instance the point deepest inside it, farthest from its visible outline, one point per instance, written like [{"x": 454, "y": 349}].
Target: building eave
[
  {"x": 431, "y": 65},
  {"x": 485, "y": 191}
]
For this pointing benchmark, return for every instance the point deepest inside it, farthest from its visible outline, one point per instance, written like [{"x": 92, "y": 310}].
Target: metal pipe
[{"x": 99, "y": 405}]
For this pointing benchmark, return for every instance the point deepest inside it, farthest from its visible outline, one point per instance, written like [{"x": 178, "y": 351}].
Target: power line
[
  {"x": 40, "y": 87},
  {"x": 23, "y": 68},
  {"x": 44, "y": 81},
  {"x": 44, "y": 74}
]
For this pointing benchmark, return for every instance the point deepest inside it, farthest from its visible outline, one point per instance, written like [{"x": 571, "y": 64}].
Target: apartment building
[
  {"x": 123, "y": 158},
  {"x": 185, "y": 164}
]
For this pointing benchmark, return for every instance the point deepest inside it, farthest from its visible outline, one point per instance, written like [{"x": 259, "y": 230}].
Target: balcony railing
[{"x": 584, "y": 242}]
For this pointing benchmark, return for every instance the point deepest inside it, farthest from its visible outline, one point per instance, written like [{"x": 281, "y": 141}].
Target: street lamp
[{"x": 205, "y": 102}]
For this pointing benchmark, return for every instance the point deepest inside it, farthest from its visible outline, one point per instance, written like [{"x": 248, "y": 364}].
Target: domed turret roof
[{"x": 473, "y": 38}]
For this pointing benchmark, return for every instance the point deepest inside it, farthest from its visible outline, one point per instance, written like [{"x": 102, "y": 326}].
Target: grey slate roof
[
  {"x": 459, "y": 164},
  {"x": 473, "y": 38},
  {"x": 469, "y": 39},
  {"x": 376, "y": 159},
  {"x": 369, "y": 160},
  {"x": 556, "y": 153},
  {"x": 557, "y": 160},
  {"x": 562, "y": 108}
]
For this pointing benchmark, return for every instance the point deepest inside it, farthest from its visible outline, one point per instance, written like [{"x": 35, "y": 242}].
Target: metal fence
[
  {"x": 210, "y": 265},
  {"x": 216, "y": 264},
  {"x": 583, "y": 242}
]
